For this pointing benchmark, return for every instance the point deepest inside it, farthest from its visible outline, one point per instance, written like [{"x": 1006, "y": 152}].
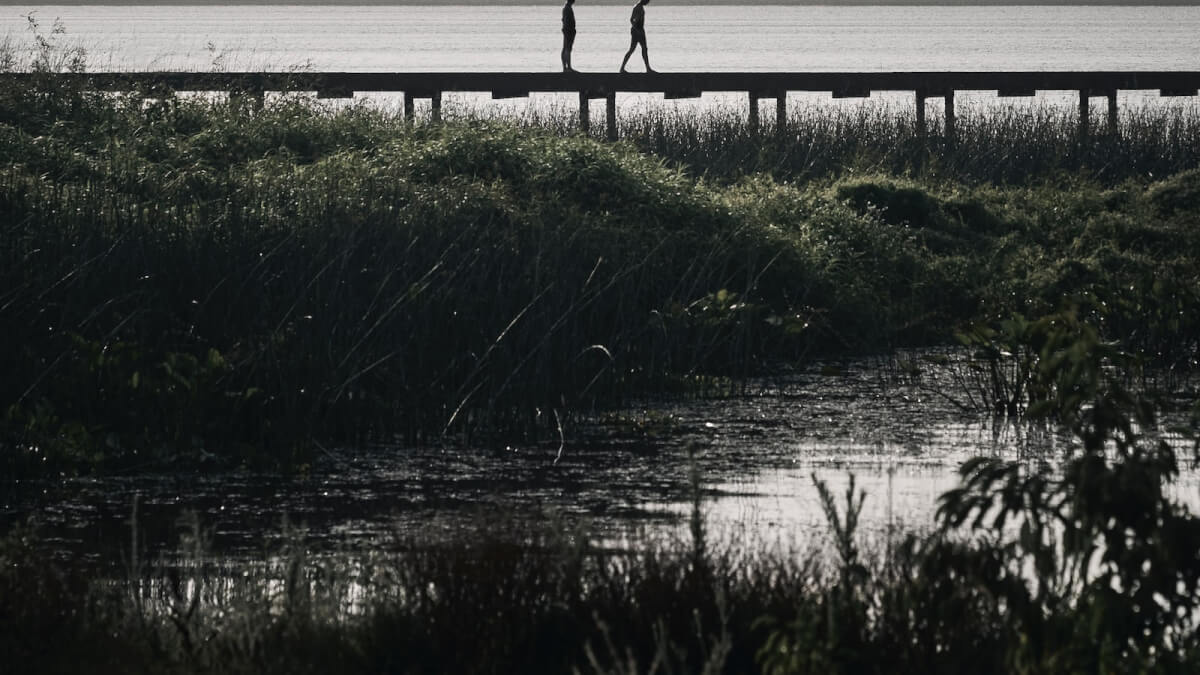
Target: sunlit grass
[{"x": 996, "y": 141}]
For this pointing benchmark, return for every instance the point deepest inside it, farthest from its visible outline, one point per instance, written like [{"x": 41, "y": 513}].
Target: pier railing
[{"x": 591, "y": 86}]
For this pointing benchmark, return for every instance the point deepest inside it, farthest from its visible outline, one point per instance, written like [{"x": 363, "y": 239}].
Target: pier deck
[{"x": 589, "y": 86}]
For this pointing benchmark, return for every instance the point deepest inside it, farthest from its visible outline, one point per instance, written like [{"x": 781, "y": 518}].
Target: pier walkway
[{"x": 592, "y": 86}]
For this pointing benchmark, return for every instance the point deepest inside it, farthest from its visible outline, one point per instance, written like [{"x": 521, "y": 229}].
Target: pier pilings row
[{"x": 591, "y": 86}]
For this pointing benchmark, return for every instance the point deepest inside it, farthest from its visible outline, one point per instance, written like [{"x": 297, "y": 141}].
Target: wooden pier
[{"x": 593, "y": 86}]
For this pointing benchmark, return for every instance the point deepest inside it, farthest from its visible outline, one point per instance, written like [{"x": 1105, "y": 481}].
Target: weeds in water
[
  {"x": 1015, "y": 369},
  {"x": 1093, "y": 568}
]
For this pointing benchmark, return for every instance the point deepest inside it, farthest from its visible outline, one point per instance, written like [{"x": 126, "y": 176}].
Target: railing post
[
  {"x": 753, "y": 111},
  {"x": 1084, "y": 115},
  {"x": 408, "y": 106},
  {"x": 950, "y": 117},
  {"x": 920, "y": 98},
  {"x": 781, "y": 116},
  {"x": 610, "y": 104},
  {"x": 436, "y": 106}
]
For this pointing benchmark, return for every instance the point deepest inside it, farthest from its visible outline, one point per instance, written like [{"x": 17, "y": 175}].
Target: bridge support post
[
  {"x": 1112, "y": 112},
  {"x": 950, "y": 131},
  {"x": 610, "y": 105},
  {"x": 1084, "y": 116},
  {"x": 920, "y": 100},
  {"x": 436, "y": 106},
  {"x": 754, "y": 111},
  {"x": 585, "y": 112},
  {"x": 408, "y": 106},
  {"x": 781, "y": 115}
]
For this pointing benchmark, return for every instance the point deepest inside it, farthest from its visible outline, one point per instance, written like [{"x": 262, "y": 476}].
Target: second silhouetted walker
[
  {"x": 568, "y": 31},
  {"x": 637, "y": 31}
]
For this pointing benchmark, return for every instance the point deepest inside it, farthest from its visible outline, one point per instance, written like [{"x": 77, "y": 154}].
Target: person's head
[
  {"x": 644, "y": 2},
  {"x": 570, "y": 2}
]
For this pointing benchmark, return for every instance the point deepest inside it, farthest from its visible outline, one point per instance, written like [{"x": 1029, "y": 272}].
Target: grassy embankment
[{"x": 188, "y": 279}]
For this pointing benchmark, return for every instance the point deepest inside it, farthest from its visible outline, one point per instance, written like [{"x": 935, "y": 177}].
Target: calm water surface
[
  {"x": 622, "y": 475},
  {"x": 709, "y": 38},
  {"x": 681, "y": 37}
]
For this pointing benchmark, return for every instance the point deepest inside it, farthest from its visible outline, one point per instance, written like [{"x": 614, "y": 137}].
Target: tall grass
[{"x": 994, "y": 143}]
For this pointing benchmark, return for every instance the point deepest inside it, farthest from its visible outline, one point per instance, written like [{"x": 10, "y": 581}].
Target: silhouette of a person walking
[
  {"x": 568, "y": 30},
  {"x": 637, "y": 32}
]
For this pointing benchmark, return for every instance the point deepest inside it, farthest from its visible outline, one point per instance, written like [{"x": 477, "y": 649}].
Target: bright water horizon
[{"x": 681, "y": 37}]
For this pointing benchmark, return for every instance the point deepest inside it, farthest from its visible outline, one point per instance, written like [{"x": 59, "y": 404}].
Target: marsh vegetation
[
  {"x": 189, "y": 283},
  {"x": 192, "y": 279}
]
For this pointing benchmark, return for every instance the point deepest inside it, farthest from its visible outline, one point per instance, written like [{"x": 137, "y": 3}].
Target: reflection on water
[{"x": 621, "y": 475}]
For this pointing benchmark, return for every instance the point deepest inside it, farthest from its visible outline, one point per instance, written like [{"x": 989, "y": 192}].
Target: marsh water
[{"x": 621, "y": 476}]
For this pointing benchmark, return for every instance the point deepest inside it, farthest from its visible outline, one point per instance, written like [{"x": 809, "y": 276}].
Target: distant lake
[{"x": 680, "y": 37}]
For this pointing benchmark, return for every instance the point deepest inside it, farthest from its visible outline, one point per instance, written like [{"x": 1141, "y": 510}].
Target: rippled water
[{"x": 622, "y": 474}]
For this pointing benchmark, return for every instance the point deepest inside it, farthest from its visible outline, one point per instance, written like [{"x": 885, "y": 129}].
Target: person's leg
[
  {"x": 646, "y": 57},
  {"x": 568, "y": 45},
  {"x": 632, "y": 46}
]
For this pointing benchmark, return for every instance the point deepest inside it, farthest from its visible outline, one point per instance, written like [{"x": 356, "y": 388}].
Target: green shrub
[
  {"x": 1178, "y": 194},
  {"x": 895, "y": 204}
]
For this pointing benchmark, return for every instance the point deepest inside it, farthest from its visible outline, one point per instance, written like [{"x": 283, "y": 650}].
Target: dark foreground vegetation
[
  {"x": 184, "y": 280},
  {"x": 1091, "y": 568}
]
